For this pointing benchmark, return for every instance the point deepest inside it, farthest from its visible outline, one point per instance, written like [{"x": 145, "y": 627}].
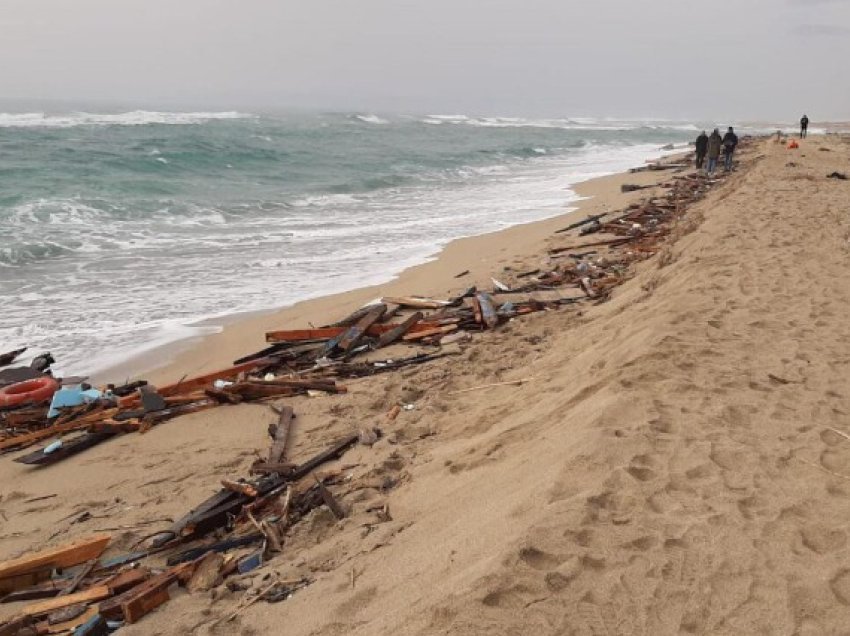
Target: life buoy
[{"x": 37, "y": 390}]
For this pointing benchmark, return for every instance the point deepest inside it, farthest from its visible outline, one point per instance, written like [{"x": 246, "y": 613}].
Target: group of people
[{"x": 710, "y": 147}]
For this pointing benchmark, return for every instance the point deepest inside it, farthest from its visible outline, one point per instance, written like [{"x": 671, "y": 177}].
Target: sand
[{"x": 672, "y": 467}]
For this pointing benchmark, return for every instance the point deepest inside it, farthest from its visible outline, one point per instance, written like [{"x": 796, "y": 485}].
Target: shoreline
[{"x": 482, "y": 255}]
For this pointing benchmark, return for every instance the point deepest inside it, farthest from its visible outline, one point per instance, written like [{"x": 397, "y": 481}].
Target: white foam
[
  {"x": 133, "y": 118},
  {"x": 371, "y": 119}
]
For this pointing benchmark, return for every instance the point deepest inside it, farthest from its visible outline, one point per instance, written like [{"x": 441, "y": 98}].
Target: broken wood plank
[
  {"x": 354, "y": 317},
  {"x": 60, "y": 557},
  {"x": 264, "y": 468},
  {"x": 8, "y": 358},
  {"x": 114, "y": 607},
  {"x": 92, "y": 594},
  {"x": 436, "y": 331},
  {"x": 357, "y": 332},
  {"x": 609, "y": 242},
  {"x": 143, "y": 604},
  {"x": 590, "y": 219},
  {"x": 78, "y": 578},
  {"x": 416, "y": 303},
  {"x": 329, "y": 499},
  {"x": 206, "y": 573},
  {"x": 203, "y": 381},
  {"x": 240, "y": 487},
  {"x": 398, "y": 331},
  {"x": 123, "y": 581},
  {"x": 280, "y": 435},
  {"x": 488, "y": 311}
]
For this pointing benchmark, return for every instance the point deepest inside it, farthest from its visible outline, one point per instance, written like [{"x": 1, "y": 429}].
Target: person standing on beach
[
  {"x": 714, "y": 144},
  {"x": 702, "y": 148},
  {"x": 730, "y": 142},
  {"x": 804, "y": 126}
]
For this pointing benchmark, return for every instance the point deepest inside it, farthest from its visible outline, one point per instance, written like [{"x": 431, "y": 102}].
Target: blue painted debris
[{"x": 72, "y": 396}]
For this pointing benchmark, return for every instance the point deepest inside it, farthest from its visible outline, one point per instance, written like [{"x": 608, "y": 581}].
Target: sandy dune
[{"x": 677, "y": 464}]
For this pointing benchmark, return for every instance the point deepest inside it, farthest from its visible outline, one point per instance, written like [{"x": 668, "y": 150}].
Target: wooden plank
[
  {"x": 294, "y": 335},
  {"x": 399, "y": 331},
  {"x": 202, "y": 381},
  {"x": 416, "y": 303},
  {"x": 113, "y": 608},
  {"x": 47, "y": 589},
  {"x": 436, "y": 331},
  {"x": 391, "y": 312},
  {"x": 24, "y": 581},
  {"x": 329, "y": 499},
  {"x": 143, "y": 604},
  {"x": 488, "y": 311},
  {"x": 356, "y": 333},
  {"x": 280, "y": 436},
  {"x": 97, "y": 593},
  {"x": 126, "y": 580},
  {"x": 476, "y": 310},
  {"x": 59, "y": 557},
  {"x": 66, "y": 626}
]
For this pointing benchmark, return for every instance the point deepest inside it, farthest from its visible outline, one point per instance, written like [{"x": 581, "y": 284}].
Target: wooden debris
[
  {"x": 97, "y": 593},
  {"x": 330, "y": 500},
  {"x": 8, "y": 358},
  {"x": 356, "y": 333},
  {"x": 416, "y": 303},
  {"x": 491, "y": 385},
  {"x": 280, "y": 435},
  {"x": 61, "y": 557},
  {"x": 206, "y": 572},
  {"x": 398, "y": 331}
]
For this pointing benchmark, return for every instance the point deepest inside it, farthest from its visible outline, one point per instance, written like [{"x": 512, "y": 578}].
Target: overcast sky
[{"x": 742, "y": 59}]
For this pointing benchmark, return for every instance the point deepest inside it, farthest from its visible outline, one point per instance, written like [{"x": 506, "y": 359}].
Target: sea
[{"x": 126, "y": 231}]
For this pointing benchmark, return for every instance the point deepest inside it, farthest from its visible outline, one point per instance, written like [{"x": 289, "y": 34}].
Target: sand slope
[{"x": 670, "y": 469}]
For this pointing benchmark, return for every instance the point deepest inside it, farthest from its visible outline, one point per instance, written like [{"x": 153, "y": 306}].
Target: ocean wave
[
  {"x": 133, "y": 118},
  {"x": 573, "y": 123},
  {"x": 371, "y": 119}
]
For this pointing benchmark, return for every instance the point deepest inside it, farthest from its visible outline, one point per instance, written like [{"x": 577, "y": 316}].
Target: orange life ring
[{"x": 37, "y": 390}]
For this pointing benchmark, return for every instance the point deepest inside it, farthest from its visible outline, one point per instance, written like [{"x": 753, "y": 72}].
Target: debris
[
  {"x": 462, "y": 274},
  {"x": 494, "y": 384},
  {"x": 837, "y": 175},
  {"x": 8, "y": 358}
]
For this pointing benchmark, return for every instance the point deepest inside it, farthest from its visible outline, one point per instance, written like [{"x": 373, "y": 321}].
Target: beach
[{"x": 671, "y": 460}]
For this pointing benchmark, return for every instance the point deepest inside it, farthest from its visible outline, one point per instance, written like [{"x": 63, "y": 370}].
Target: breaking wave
[{"x": 133, "y": 118}]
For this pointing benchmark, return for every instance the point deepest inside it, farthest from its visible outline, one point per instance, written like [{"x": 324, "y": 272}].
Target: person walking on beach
[
  {"x": 702, "y": 148},
  {"x": 714, "y": 144},
  {"x": 730, "y": 142},
  {"x": 804, "y": 126}
]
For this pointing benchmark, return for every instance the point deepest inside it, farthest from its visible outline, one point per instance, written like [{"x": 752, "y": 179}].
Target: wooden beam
[
  {"x": 436, "y": 331},
  {"x": 399, "y": 331},
  {"x": 90, "y": 595},
  {"x": 59, "y": 557},
  {"x": 416, "y": 303},
  {"x": 280, "y": 436},
  {"x": 329, "y": 333},
  {"x": 488, "y": 311},
  {"x": 201, "y": 382},
  {"x": 356, "y": 333}
]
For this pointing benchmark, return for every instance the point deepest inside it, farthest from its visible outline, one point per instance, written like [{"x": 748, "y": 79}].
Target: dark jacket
[
  {"x": 702, "y": 144},
  {"x": 730, "y": 141},
  {"x": 714, "y": 143}
]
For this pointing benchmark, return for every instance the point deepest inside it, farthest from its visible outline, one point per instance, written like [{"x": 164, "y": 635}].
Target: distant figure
[
  {"x": 714, "y": 143},
  {"x": 702, "y": 148},
  {"x": 730, "y": 142},
  {"x": 804, "y": 126}
]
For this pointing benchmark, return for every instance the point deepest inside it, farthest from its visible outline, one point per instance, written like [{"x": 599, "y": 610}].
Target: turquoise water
[{"x": 119, "y": 231}]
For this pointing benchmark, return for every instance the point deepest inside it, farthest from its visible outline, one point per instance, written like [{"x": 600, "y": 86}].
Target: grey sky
[{"x": 743, "y": 59}]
